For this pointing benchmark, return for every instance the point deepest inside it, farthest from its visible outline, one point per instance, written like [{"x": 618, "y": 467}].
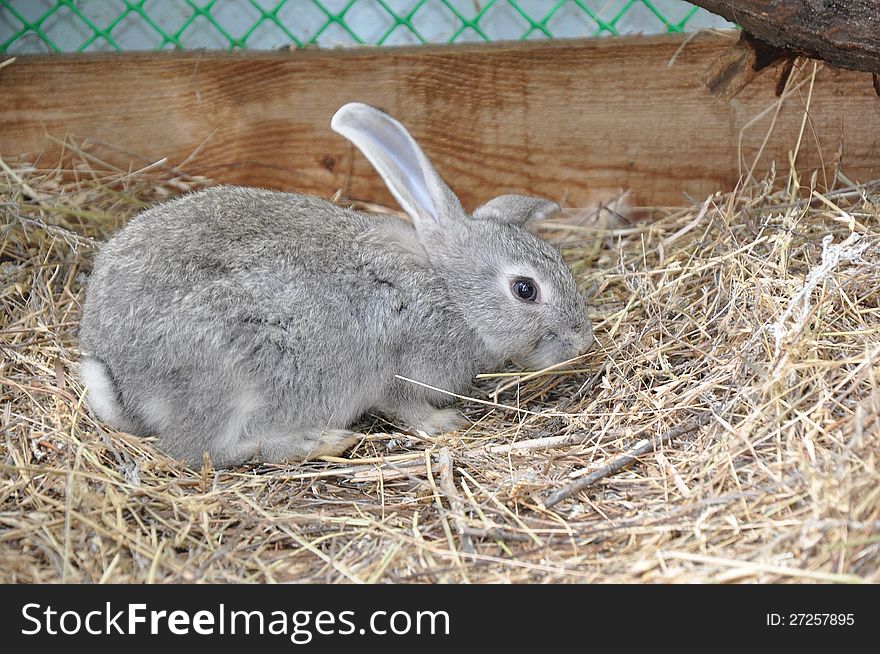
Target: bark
[{"x": 844, "y": 33}]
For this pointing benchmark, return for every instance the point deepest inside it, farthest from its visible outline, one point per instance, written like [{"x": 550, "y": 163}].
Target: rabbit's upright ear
[
  {"x": 516, "y": 209},
  {"x": 402, "y": 164}
]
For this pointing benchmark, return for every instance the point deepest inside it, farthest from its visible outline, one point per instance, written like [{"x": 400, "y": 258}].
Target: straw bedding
[{"x": 738, "y": 343}]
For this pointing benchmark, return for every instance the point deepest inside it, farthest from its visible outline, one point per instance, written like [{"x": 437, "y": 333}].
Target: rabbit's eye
[{"x": 525, "y": 289}]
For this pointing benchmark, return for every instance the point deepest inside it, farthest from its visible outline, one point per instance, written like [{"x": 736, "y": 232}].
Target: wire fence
[{"x": 102, "y": 25}]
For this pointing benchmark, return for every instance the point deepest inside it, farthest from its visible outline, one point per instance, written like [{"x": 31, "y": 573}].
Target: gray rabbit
[{"x": 255, "y": 324}]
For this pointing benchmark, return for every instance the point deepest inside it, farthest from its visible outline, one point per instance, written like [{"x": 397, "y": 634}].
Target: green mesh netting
[{"x": 84, "y": 25}]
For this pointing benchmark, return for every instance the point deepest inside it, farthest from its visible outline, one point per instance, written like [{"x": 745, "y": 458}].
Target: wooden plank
[{"x": 570, "y": 120}]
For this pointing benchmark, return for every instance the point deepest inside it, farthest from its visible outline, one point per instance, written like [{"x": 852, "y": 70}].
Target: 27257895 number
[{"x": 810, "y": 619}]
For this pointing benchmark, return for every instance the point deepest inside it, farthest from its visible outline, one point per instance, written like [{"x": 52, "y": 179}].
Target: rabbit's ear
[
  {"x": 401, "y": 162},
  {"x": 516, "y": 209}
]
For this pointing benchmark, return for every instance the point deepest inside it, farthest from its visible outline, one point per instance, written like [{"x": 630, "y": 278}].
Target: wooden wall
[{"x": 572, "y": 121}]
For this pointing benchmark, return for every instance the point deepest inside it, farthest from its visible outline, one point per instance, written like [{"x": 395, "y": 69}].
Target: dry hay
[{"x": 756, "y": 312}]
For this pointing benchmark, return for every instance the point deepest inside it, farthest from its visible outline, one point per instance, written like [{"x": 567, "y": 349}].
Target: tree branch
[{"x": 844, "y": 34}]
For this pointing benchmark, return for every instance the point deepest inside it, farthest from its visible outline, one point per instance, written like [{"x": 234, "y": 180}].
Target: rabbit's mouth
[{"x": 550, "y": 350}]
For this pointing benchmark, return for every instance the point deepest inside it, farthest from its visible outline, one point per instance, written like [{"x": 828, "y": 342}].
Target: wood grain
[{"x": 570, "y": 120}]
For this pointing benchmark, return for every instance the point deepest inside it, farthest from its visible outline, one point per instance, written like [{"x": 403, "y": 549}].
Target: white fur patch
[
  {"x": 247, "y": 402},
  {"x": 157, "y": 411},
  {"x": 101, "y": 393}
]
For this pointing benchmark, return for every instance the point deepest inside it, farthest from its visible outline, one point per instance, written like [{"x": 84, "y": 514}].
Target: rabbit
[{"x": 257, "y": 325}]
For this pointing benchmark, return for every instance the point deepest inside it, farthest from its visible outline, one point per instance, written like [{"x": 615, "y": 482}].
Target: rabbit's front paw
[
  {"x": 434, "y": 421},
  {"x": 301, "y": 444}
]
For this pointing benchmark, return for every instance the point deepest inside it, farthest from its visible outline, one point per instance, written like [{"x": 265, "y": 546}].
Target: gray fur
[
  {"x": 516, "y": 209},
  {"x": 254, "y": 324}
]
